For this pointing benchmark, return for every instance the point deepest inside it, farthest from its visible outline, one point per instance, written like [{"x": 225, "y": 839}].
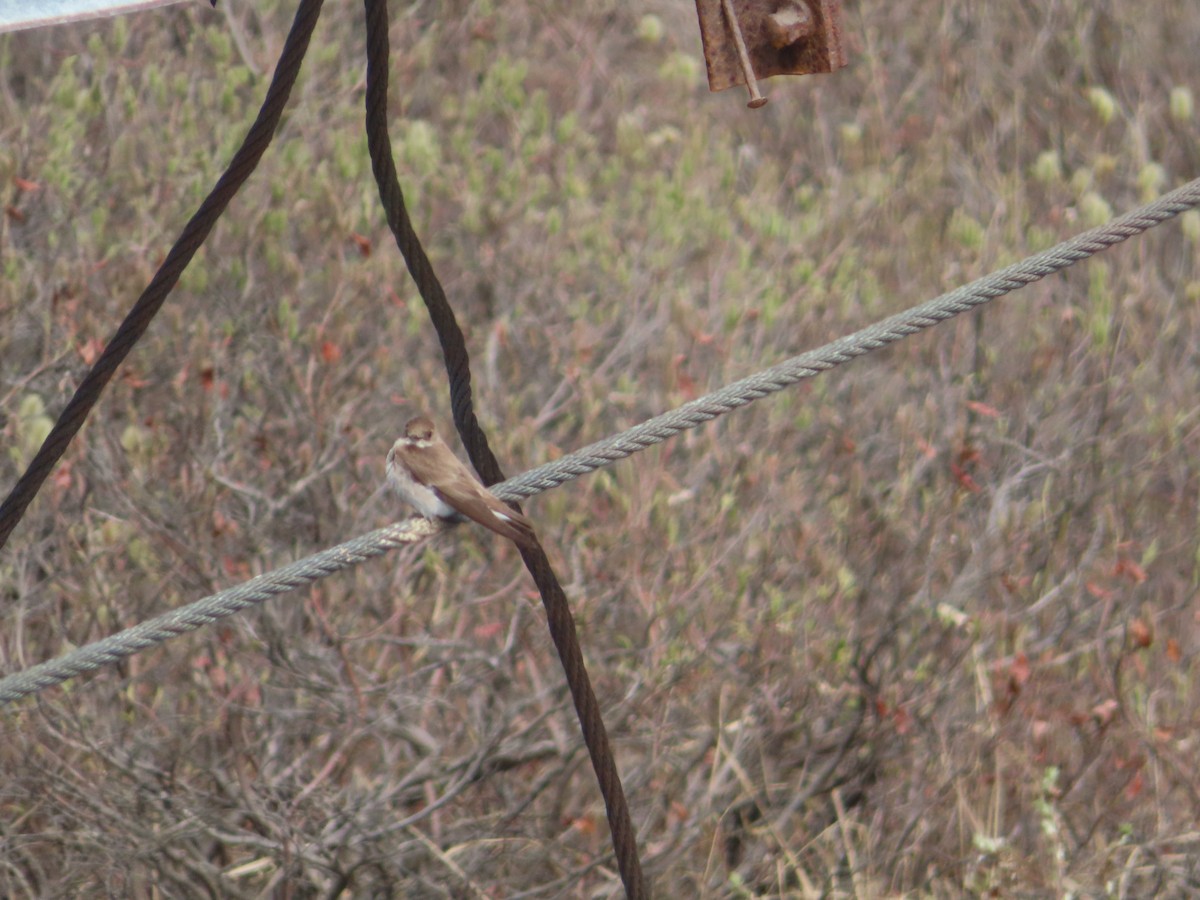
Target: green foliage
[
  {"x": 33, "y": 426},
  {"x": 1182, "y": 104}
]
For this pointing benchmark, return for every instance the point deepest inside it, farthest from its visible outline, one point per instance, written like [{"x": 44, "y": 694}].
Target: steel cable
[{"x": 602, "y": 453}]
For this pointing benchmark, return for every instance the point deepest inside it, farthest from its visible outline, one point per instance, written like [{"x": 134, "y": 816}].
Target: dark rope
[
  {"x": 244, "y": 162},
  {"x": 457, "y": 360},
  {"x": 454, "y": 345},
  {"x": 595, "y": 737}
]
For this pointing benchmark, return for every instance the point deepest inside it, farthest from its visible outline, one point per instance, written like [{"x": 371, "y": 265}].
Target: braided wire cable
[
  {"x": 844, "y": 349},
  {"x": 602, "y": 453},
  {"x": 215, "y": 607}
]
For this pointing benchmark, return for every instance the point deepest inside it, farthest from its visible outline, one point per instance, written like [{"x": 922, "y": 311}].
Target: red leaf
[
  {"x": 1135, "y": 786},
  {"x": 330, "y": 352},
  {"x": 1009, "y": 680},
  {"x": 1132, "y": 570},
  {"x": 964, "y": 479},
  {"x": 91, "y": 349},
  {"x": 969, "y": 455},
  {"x": 1173, "y": 652},
  {"x": 983, "y": 409},
  {"x": 1019, "y": 670},
  {"x": 62, "y": 476},
  {"x": 1141, "y": 633},
  {"x": 363, "y": 243},
  {"x": 585, "y": 825},
  {"x": 1105, "y": 710},
  {"x": 486, "y": 632}
]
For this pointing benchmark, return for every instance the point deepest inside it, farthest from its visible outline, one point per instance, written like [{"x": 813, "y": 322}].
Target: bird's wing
[
  {"x": 465, "y": 494},
  {"x": 478, "y": 504}
]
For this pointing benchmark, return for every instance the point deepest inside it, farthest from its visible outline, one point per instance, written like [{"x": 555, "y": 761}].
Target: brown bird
[{"x": 427, "y": 475}]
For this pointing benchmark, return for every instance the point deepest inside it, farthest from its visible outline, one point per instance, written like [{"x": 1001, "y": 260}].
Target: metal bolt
[{"x": 756, "y": 97}]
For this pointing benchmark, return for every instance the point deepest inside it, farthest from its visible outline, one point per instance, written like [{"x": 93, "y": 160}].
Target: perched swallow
[{"x": 427, "y": 475}]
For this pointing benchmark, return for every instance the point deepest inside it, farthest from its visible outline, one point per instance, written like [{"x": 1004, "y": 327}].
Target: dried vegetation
[{"x": 924, "y": 625}]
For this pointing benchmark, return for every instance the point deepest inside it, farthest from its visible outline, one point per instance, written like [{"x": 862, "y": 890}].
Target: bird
[{"x": 427, "y": 475}]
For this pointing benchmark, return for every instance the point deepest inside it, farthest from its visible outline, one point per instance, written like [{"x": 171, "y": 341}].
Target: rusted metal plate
[{"x": 779, "y": 37}]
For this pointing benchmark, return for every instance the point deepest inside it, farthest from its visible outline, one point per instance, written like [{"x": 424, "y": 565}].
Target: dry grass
[{"x": 926, "y": 625}]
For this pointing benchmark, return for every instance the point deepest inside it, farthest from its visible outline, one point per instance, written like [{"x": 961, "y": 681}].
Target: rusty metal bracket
[{"x": 745, "y": 40}]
